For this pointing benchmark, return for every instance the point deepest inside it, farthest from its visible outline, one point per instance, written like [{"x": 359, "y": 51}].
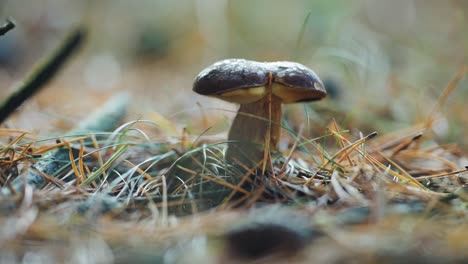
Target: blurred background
[{"x": 385, "y": 63}]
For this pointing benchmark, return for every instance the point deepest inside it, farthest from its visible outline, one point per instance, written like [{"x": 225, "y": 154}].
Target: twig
[
  {"x": 9, "y": 25},
  {"x": 43, "y": 73}
]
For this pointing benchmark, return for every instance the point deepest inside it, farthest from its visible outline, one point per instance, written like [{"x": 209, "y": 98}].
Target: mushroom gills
[
  {"x": 289, "y": 94},
  {"x": 243, "y": 96}
]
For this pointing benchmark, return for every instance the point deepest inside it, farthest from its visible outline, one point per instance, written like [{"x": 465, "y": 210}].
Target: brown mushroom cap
[
  {"x": 294, "y": 82},
  {"x": 243, "y": 81}
]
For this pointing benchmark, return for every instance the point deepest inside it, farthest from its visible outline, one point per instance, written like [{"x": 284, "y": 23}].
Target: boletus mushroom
[{"x": 260, "y": 88}]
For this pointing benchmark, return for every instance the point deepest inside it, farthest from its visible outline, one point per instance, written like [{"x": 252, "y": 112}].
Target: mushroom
[{"x": 260, "y": 88}]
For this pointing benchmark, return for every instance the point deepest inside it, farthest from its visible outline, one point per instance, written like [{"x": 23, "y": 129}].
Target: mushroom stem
[{"x": 255, "y": 129}]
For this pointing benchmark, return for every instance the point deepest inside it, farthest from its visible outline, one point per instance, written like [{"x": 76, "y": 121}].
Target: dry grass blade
[
  {"x": 79, "y": 177},
  {"x": 244, "y": 179},
  {"x": 404, "y": 173},
  {"x": 94, "y": 176},
  {"x": 6, "y": 132},
  {"x": 346, "y": 149},
  {"x": 405, "y": 178},
  {"x": 441, "y": 175},
  {"x": 147, "y": 176},
  {"x": 215, "y": 180},
  {"x": 447, "y": 91}
]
